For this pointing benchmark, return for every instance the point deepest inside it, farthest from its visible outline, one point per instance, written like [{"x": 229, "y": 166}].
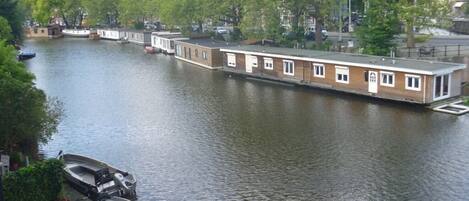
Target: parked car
[
  {"x": 310, "y": 34},
  {"x": 220, "y": 30}
]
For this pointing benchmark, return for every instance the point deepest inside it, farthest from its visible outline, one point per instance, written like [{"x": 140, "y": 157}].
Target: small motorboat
[
  {"x": 22, "y": 56},
  {"x": 150, "y": 50},
  {"x": 123, "y": 40},
  {"x": 97, "y": 180}
]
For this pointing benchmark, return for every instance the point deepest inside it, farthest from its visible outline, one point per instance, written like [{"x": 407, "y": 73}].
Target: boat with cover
[
  {"x": 22, "y": 56},
  {"x": 98, "y": 180}
]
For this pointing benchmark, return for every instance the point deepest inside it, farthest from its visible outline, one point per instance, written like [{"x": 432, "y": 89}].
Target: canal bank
[{"x": 193, "y": 134}]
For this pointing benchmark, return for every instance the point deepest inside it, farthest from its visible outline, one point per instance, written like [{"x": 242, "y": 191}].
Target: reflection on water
[{"x": 193, "y": 134}]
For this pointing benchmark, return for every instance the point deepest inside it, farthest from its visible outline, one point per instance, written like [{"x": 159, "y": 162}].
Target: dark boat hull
[{"x": 26, "y": 56}]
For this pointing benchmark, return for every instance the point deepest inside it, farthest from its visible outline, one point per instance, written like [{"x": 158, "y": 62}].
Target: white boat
[
  {"x": 76, "y": 32},
  {"x": 98, "y": 180}
]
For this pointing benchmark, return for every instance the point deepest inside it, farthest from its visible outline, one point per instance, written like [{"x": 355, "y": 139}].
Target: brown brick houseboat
[
  {"x": 414, "y": 81},
  {"x": 202, "y": 52}
]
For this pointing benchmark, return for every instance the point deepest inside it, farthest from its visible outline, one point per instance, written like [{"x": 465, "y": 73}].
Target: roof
[
  {"x": 209, "y": 43},
  {"x": 134, "y": 31},
  {"x": 459, "y": 4},
  {"x": 357, "y": 60}
]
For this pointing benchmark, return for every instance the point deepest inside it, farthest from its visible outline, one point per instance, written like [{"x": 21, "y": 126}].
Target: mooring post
[
  {"x": 446, "y": 50},
  {"x": 459, "y": 50},
  {"x": 408, "y": 52}
]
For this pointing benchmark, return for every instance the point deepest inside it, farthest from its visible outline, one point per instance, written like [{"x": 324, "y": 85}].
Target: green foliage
[
  {"x": 422, "y": 13},
  {"x": 41, "y": 181},
  {"x": 5, "y": 30},
  {"x": 13, "y": 12},
  {"x": 262, "y": 20},
  {"x": 25, "y": 112},
  {"x": 422, "y": 38},
  {"x": 379, "y": 28},
  {"x": 102, "y": 12}
]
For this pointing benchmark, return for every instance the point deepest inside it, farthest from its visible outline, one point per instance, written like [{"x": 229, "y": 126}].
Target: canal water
[{"x": 192, "y": 134}]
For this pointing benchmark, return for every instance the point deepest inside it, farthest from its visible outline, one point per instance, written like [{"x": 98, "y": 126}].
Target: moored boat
[
  {"x": 81, "y": 33},
  {"x": 98, "y": 180},
  {"x": 22, "y": 56},
  {"x": 149, "y": 50}
]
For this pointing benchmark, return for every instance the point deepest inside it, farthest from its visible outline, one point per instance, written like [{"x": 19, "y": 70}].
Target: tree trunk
[
  {"x": 410, "y": 35},
  {"x": 318, "y": 34},
  {"x": 201, "y": 26}
]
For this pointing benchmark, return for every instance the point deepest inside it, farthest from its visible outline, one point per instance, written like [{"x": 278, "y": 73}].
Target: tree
[
  {"x": 261, "y": 19},
  {"x": 26, "y": 115},
  {"x": 422, "y": 13},
  {"x": 379, "y": 28},
  {"x": 72, "y": 12},
  {"x": 5, "y": 30},
  {"x": 231, "y": 12},
  {"x": 14, "y": 13},
  {"x": 102, "y": 12}
]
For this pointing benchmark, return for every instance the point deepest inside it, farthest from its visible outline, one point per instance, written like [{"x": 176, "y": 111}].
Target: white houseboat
[
  {"x": 109, "y": 34},
  {"x": 164, "y": 41}
]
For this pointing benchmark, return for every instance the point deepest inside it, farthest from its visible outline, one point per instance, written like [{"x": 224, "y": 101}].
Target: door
[
  {"x": 248, "y": 64},
  {"x": 373, "y": 82},
  {"x": 441, "y": 87}
]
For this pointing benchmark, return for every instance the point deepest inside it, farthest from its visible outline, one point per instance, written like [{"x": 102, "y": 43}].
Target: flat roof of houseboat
[
  {"x": 356, "y": 60},
  {"x": 135, "y": 31},
  {"x": 207, "y": 42}
]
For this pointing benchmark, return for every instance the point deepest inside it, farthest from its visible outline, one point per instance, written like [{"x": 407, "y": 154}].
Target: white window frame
[
  {"x": 316, "y": 66},
  {"x": 252, "y": 60},
  {"x": 449, "y": 87},
  {"x": 343, "y": 71},
  {"x": 285, "y": 62},
  {"x": 269, "y": 63},
  {"x": 385, "y": 73},
  {"x": 204, "y": 55},
  {"x": 231, "y": 59},
  {"x": 413, "y": 88}
]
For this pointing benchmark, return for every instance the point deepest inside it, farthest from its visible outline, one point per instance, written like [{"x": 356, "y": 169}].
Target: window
[
  {"x": 387, "y": 79},
  {"x": 412, "y": 82},
  {"x": 288, "y": 67},
  {"x": 319, "y": 70},
  {"x": 196, "y": 52},
  {"x": 204, "y": 55},
  {"x": 268, "y": 64},
  {"x": 342, "y": 74},
  {"x": 178, "y": 50},
  {"x": 441, "y": 87},
  {"x": 252, "y": 60},
  {"x": 231, "y": 59}
]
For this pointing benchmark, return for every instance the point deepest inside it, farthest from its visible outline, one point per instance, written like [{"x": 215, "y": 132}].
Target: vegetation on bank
[
  {"x": 466, "y": 101},
  {"x": 41, "y": 181},
  {"x": 254, "y": 19},
  {"x": 27, "y": 116}
]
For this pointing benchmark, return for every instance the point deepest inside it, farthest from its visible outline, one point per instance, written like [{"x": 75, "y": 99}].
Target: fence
[{"x": 433, "y": 51}]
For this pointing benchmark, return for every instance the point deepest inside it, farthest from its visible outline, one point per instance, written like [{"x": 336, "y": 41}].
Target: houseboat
[
  {"x": 138, "y": 37},
  {"x": 164, "y": 41},
  {"x": 414, "y": 81},
  {"x": 109, "y": 34},
  {"x": 79, "y": 33},
  {"x": 51, "y": 31},
  {"x": 202, "y": 52}
]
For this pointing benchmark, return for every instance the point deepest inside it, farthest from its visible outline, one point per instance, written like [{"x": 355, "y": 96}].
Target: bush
[
  {"x": 466, "y": 101},
  {"x": 41, "y": 181}
]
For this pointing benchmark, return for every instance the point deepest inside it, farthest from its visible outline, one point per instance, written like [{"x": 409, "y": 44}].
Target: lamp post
[{"x": 350, "y": 28}]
